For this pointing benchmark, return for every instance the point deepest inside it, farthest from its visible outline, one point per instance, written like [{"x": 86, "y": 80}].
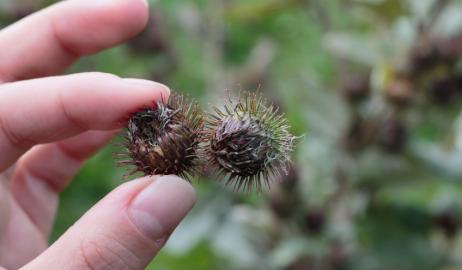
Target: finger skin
[
  {"x": 47, "y": 169},
  {"x": 28, "y": 212},
  {"x": 51, "y": 109},
  {"x": 20, "y": 241},
  {"x": 47, "y": 42},
  {"x": 107, "y": 237},
  {"x": 4, "y": 206}
]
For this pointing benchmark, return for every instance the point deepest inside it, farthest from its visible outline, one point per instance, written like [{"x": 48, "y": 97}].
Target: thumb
[{"x": 125, "y": 230}]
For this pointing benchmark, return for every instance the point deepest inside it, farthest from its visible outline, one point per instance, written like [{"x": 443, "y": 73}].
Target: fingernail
[
  {"x": 151, "y": 84},
  {"x": 160, "y": 207}
]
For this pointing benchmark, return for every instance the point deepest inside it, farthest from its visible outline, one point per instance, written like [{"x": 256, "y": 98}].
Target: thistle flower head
[
  {"x": 249, "y": 141},
  {"x": 164, "y": 139}
]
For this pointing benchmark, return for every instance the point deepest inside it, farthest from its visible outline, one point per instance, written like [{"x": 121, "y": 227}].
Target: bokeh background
[{"x": 375, "y": 86}]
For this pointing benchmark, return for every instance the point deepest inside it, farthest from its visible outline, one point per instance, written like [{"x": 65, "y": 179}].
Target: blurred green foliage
[{"x": 375, "y": 86}]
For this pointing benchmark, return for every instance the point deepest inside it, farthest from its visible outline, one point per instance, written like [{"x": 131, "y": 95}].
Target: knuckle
[
  {"x": 14, "y": 138},
  {"x": 107, "y": 252}
]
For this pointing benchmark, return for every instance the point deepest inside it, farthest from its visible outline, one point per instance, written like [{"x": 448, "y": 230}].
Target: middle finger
[{"x": 49, "y": 41}]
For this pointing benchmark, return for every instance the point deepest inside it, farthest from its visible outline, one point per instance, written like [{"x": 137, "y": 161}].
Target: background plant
[{"x": 375, "y": 86}]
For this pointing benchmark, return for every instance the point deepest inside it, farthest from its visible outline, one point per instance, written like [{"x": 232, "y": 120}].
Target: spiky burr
[
  {"x": 164, "y": 139},
  {"x": 249, "y": 141}
]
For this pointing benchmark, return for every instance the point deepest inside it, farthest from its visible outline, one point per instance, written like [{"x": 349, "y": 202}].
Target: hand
[{"x": 49, "y": 125}]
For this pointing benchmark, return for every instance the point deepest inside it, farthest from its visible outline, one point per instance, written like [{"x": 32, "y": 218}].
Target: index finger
[
  {"x": 48, "y": 41},
  {"x": 50, "y": 109}
]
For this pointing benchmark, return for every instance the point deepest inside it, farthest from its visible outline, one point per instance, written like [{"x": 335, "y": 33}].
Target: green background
[{"x": 371, "y": 208}]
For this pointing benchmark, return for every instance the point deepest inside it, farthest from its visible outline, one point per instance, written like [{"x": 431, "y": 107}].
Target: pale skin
[{"x": 50, "y": 124}]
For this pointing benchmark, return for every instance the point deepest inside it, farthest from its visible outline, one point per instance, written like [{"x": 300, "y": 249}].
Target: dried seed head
[
  {"x": 249, "y": 141},
  {"x": 164, "y": 139}
]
